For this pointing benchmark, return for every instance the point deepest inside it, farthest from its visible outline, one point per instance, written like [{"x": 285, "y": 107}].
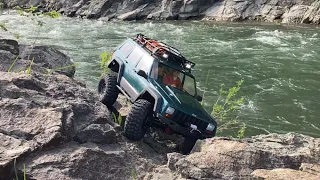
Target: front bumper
[{"x": 186, "y": 132}]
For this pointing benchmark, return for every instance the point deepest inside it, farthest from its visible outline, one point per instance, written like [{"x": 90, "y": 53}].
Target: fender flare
[
  {"x": 121, "y": 67},
  {"x": 156, "y": 96}
]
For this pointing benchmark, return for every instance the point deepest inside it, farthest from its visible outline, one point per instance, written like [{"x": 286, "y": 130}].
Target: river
[{"x": 280, "y": 65}]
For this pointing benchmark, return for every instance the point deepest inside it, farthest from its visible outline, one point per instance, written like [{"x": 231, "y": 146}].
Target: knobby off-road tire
[
  {"x": 107, "y": 88},
  {"x": 135, "y": 128},
  {"x": 188, "y": 144}
]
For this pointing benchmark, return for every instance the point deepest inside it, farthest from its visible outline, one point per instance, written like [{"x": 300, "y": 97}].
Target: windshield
[{"x": 174, "y": 78}]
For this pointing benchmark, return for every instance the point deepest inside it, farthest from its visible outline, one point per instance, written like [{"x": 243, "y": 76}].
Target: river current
[{"x": 280, "y": 65}]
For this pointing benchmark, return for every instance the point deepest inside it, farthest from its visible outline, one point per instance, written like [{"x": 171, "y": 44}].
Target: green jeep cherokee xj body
[{"x": 142, "y": 69}]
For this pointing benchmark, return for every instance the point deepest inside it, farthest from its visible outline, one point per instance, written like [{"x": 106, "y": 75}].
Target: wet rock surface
[{"x": 289, "y": 11}]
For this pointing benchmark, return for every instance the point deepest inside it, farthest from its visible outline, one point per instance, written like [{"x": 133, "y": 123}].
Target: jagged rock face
[
  {"x": 38, "y": 112},
  {"x": 223, "y": 158},
  {"x": 288, "y": 11},
  {"x": 45, "y": 59}
]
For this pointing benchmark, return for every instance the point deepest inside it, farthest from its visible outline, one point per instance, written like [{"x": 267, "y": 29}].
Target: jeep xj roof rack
[{"x": 163, "y": 51}]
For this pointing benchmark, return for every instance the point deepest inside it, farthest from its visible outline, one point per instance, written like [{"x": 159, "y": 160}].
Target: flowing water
[{"x": 280, "y": 65}]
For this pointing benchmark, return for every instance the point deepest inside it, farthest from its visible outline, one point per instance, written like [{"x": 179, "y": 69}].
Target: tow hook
[{"x": 194, "y": 128}]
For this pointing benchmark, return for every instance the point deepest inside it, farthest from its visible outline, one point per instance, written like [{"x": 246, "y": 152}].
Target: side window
[
  {"x": 189, "y": 85},
  {"x": 145, "y": 63},
  {"x": 135, "y": 56},
  {"x": 127, "y": 48}
]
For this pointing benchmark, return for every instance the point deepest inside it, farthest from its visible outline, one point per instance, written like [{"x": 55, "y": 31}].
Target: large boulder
[
  {"x": 39, "y": 112},
  {"x": 15, "y": 57},
  {"x": 226, "y": 158}
]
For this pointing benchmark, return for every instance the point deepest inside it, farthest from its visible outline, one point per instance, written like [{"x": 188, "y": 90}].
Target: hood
[{"x": 183, "y": 102}]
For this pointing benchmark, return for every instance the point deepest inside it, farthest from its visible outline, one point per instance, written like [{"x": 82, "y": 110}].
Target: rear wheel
[
  {"x": 135, "y": 124},
  {"x": 107, "y": 88}
]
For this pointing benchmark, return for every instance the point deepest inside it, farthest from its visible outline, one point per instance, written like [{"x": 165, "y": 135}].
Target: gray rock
[
  {"x": 224, "y": 10},
  {"x": 295, "y": 14},
  {"x": 38, "y": 112},
  {"x": 312, "y": 15},
  {"x": 17, "y": 58},
  {"x": 307, "y": 171},
  {"x": 223, "y": 158},
  {"x": 9, "y": 45},
  {"x": 97, "y": 133},
  {"x": 48, "y": 58}
]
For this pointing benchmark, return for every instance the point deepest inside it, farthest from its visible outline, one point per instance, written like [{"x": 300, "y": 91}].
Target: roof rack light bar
[{"x": 160, "y": 48}]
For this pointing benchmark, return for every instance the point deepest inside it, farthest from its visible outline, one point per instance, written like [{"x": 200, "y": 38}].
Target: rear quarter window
[
  {"x": 145, "y": 63},
  {"x": 135, "y": 56},
  {"x": 127, "y": 48}
]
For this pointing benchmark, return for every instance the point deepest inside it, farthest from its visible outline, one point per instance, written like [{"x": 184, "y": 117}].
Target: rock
[
  {"x": 73, "y": 161},
  {"x": 223, "y": 158},
  {"x": 312, "y": 15},
  {"x": 9, "y": 45},
  {"x": 97, "y": 133},
  {"x": 310, "y": 168},
  {"x": 225, "y": 10},
  {"x": 17, "y": 58},
  {"x": 277, "y": 174},
  {"x": 132, "y": 15},
  {"x": 295, "y": 14},
  {"x": 173, "y": 158},
  {"x": 48, "y": 58},
  {"x": 38, "y": 112}
]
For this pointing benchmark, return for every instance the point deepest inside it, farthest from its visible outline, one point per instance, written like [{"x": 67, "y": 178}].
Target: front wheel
[
  {"x": 188, "y": 144},
  {"x": 135, "y": 124},
  {"x": 107, "y": 88}
]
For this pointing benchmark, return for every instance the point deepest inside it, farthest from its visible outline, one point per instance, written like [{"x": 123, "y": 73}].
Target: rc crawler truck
[{"x": 157, "y": 79}]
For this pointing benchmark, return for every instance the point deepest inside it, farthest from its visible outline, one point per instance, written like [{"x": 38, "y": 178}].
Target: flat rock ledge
[{"x": 270, "y": 156}]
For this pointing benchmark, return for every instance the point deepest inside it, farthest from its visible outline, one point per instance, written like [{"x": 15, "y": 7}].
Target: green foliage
[
  {"x": 50, "y": 71},
  {"x": 24, "y": 172},
  {"x": 225, "y": 106},
  {"x": 3, "y": 26},
  {"x": 53, "y": 14},
  {"x": 206, "y": 85},
  {"x": 13, "y": 63},
  {"x": 1, "y": 4},
  {"x": 33, "y": 10},
  {"x": 28, "y": 70},
  {"x": 134, "y": 174},
  {"x": 16, "y": 35},
  {"x": 242, "y": 130},
  {"x": 118, "y": 119},
  {"x": 15, "y": 168},
  {"x": 104, "y": 59},
  {"x": 40, "y": 23}
]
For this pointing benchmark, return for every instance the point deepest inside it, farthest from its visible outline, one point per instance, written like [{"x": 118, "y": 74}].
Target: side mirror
[
  {"x": 199, "y": 98},
  {"x": 142, "y": 73}
]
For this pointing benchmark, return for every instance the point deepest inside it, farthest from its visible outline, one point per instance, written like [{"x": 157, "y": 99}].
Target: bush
[{"x": 223, "y": 110}]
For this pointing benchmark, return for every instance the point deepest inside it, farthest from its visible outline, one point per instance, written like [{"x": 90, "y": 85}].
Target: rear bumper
[{"x": 186, "y": 132}]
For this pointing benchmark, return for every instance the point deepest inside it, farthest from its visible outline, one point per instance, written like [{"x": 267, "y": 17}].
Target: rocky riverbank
[
  {"x": 55, "y": 127},
  {"x": 289, "y": 11}
]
